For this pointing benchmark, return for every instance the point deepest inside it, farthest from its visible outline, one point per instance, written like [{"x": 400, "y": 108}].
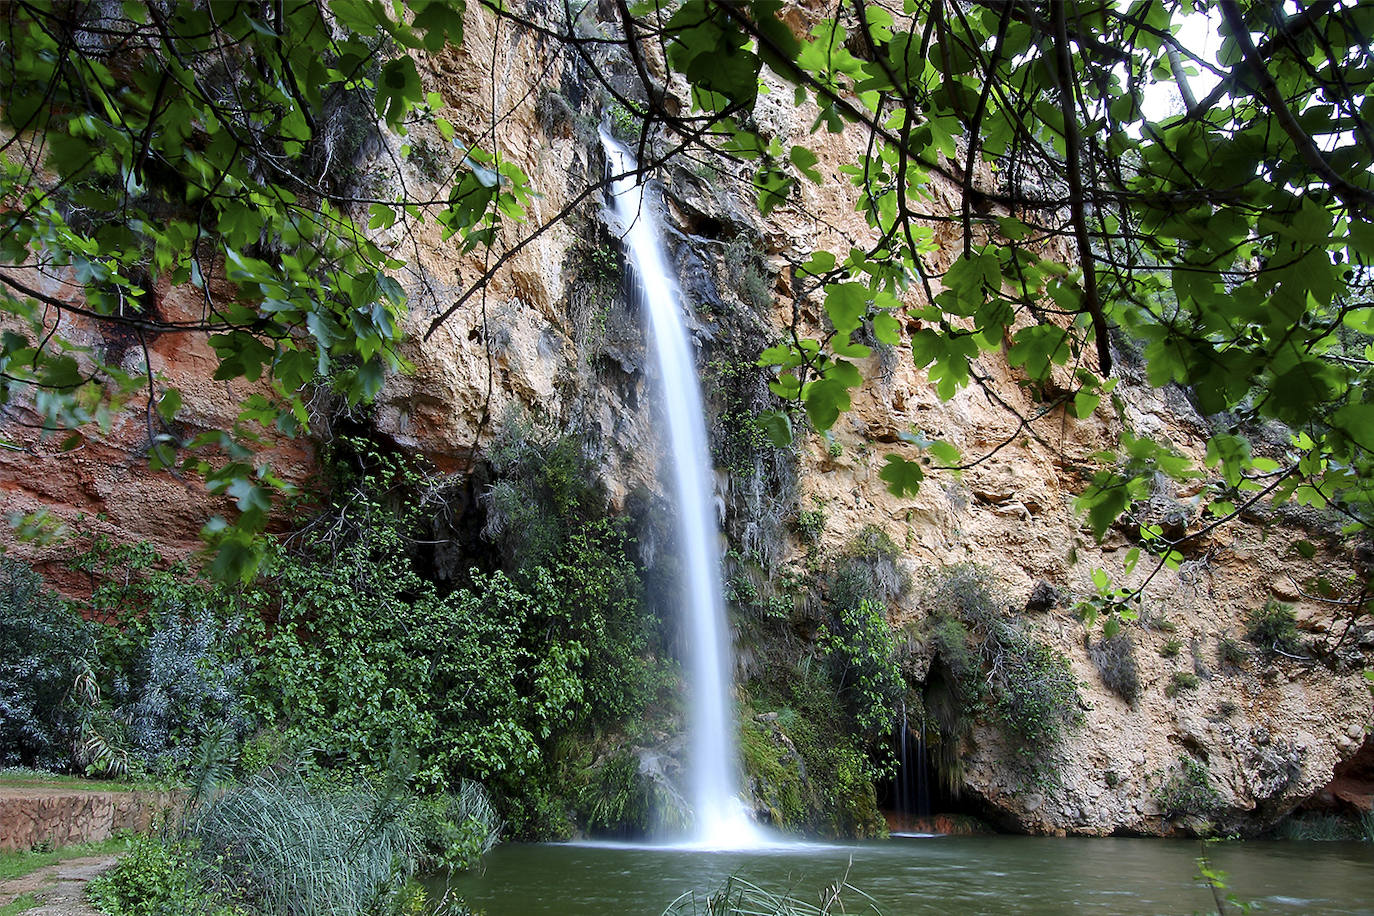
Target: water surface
[{"x": 999, "y": 874}]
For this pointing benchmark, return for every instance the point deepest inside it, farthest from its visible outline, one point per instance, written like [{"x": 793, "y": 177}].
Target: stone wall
[{"x": 44, "y": 816}]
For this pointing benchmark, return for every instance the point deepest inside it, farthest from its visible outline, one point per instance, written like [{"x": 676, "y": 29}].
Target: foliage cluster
[
  {"x": 866, "y": 570},
  {"x": 1188, "y": 791},
  {"x": 810, "y": 770},
  {"x": 860, "y": 650},
  {"x": 346, "y": 655},
  {"x": 999, "y": 667},
  {"x": 366, "y": 656},
  {"x": 192, "y": 145},
  {"x": 42, "y": 645},
  {"x": 1273, "y": 627},
  {"x": 1181, "y": 681},
  {"x": 153, "y": 878},
  {"x": 135, "y": 695},
  {"x": 543, "y": 490}
]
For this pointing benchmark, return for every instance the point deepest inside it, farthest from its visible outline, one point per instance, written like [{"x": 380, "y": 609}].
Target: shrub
[
  {"x": 366, "y": 656},
  {"x": 866, "y": 571},
  {"x": 1114, "y": 658},
  {"x": 544, "y": 489},
  {"x": 1182, "y": 680},
  {"x": 156, "y": 878},
  {"x": 811, "y": 524},
  {"x": 614, "y": 799},
  {"x": 455, "y": 830},
  {"x": 1171, "y": 648},
  {"x": 861, "y": 653},
  {"x": 813, "y": 774},
  {"x": 1028, "y": 686},
  {"x": 1188, "y": 791},
  {"x": 1273, "y": 628},
  {"x": 43, "y": 643},
  {"x": 184, "y": 682}
]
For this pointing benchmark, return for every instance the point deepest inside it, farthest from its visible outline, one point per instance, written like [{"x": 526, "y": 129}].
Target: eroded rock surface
[{"x": 544, "y": 336}]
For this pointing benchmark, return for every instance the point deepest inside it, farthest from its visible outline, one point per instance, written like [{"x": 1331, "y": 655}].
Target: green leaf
[
  {"x": 398, "y": 87},
  {"x": 903, "y": 478},
  {"x": 845, "y": 305},
  {"x": 1105, "y": 498},
  {"x": 887, "y": 329},
  {"x": 1038, "y": 347},
  {"x": 944, "y": 452},
  {"x": 805, "y": 161},
  {"x": 777, "y": 426}
]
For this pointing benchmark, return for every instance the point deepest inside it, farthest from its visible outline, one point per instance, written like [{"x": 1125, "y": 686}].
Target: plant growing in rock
[
  {"x": 1231, "y": 654},
  {"x": 1182, "y": 680},
  {"x": 860, "y": 650},
  {"x": 866, "y": 570},
  {"x": 811, "y": 524},
  {"x": 1188, "y": 791},
  {"x": 1026, "y": 685},
  {"x": 1114, "y": 658},
  {"x": 1274, "y": 628}
]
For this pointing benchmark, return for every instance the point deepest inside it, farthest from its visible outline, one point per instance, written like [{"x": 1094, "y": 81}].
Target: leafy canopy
[
  {"x": 1227, "y": 243},
  {"x": 149, "y": 147}
]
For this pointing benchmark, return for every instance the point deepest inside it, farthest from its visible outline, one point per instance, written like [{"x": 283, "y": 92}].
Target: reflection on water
[{"x": 931, "y": 875}]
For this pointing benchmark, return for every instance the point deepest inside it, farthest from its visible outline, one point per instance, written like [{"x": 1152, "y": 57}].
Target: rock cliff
[{"x": 548, "y": 335}]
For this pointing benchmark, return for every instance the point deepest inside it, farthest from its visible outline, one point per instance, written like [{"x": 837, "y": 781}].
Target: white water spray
[{"x": 721, "y": 821}]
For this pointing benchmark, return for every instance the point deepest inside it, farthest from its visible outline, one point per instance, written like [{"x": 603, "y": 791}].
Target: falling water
[{"x": 720, "y": 817}]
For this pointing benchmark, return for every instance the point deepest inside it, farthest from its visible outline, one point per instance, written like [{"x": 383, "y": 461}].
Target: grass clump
[
  {"x": 1273, "y": 627},
  {"x": 1231, "y": 654},
  {"x": 1182, "y": 680},
  {"x": 1114, "y": 658},
  {"x": 1319, "y": 828},
  {"x": 738, "y": 897},
  {"x": 1171, "y": 648}
]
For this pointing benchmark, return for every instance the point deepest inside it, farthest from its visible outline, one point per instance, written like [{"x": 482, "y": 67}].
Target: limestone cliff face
[{"x": 547, "y": 335}]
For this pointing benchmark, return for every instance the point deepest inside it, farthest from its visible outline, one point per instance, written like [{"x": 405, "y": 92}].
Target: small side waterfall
[{"x": 714, "y": 790}]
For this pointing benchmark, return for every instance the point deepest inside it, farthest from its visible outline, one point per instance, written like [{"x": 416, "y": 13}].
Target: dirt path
[{"x": 60, "y": 888}]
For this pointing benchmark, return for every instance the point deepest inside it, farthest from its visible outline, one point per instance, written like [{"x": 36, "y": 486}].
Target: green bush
[
  {"x": 43, "y": 647},
  {"x": 809, "y": 769},
  {"x": 1273, "y": 627},
  {"x": 612, "y": 798},
  {"x": 859, "y": 649},
  {"x": 999, "y": 666},
  {"x": 866, "y": 570},
  {"x": 544, "y": 489},
  {"x": 156, "y": 878},
  {"x": 1171, "y": 648},
  {"x": 1188, "y": 791},
  {"x": 365, "y": 656},
  {"x": 1182, "y": 680}
]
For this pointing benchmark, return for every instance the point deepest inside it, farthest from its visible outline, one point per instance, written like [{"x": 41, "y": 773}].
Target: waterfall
[{"x": 714, "y": 786}]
